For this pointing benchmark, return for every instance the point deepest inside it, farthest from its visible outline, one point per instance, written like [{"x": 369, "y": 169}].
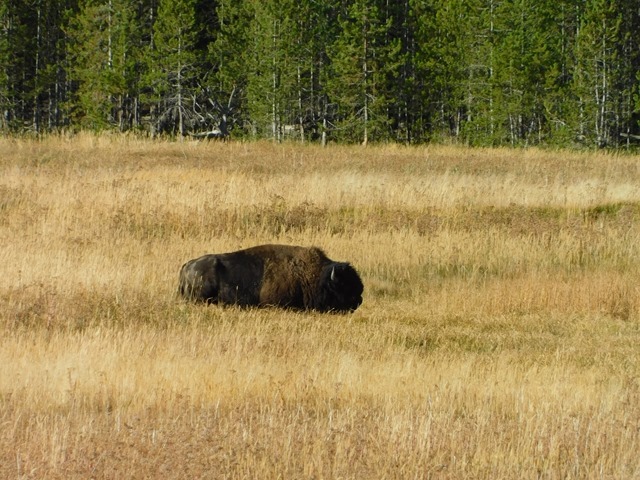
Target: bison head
[{"x": 340, "y": 288}]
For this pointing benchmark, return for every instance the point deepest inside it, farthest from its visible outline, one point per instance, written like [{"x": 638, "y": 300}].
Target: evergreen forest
[{"x": 475, "y": 72}]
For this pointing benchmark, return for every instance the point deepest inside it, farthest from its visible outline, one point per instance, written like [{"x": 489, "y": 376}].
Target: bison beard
[{"x": 276, "y": 275}]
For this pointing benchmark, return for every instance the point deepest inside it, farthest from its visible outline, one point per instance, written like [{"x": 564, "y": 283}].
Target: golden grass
[{"x": 498, "y": 336}]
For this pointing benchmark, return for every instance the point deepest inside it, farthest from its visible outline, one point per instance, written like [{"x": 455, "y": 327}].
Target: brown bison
[{"x": 276, "y": 275}]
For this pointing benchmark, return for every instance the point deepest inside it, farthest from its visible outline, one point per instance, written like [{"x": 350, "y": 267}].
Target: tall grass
[{"x": 498, "y": 336}]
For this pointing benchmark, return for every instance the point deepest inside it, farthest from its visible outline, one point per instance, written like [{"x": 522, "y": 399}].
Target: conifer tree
[
  {"x": 6, "y": 98},
  {"x": 226, "y": 86},
  {"x": 311, "y": 29},
  {"x": 440, "y": 60},
  {"x": 317, "y": 28},
  {"x": 105, "y": 64},
  {"x": 520, "y": 62},
  {"x": 364, "y": 57},
  {"x": 484, "y": 72},
  {"x": 172, "y": 67},
  {"x": 626, "y": 124},
  {"x": 481, "y": 127},
  {"x": 557, "y": 60},
  {"x": 608, "y": 59},
  {"x": 32, "y": 81},
  {"x": 272, "y": 75}
]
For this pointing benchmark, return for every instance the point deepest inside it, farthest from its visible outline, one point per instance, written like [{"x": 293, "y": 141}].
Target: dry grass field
[{"x": 499, "y": 336}]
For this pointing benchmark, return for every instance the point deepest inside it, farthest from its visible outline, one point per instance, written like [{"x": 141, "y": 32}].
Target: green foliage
[
  {"x": 227, "y": 84},
  {"x": 5, "y": 57},
  {"x": 173, "y": 64},
  {"x": 480, "y": 72},
  {"x": 364, "y": 58},
  {"x": 104, "y": 55},
  {"x": 266, "y": 56}
]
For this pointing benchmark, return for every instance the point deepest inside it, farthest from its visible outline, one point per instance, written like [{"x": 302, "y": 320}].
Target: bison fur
[{"x": 273, "y": 275}]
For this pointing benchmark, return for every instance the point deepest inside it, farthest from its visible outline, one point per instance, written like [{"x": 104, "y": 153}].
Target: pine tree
[
  {"x": 520, "y": 63},
  {"x": 53, "y": 85},
  {"x": 597, "y": 72},
  {"x": 481, "y": 126},
  {"x": 317, "y": 29},
  {"x": 226, "y": 87},
  {"x": 6, "y": 97},
  {"x": 172, "y": 67},
  {"x": 364, "y": 57},
  {"x": 558, "y": 32},
  {"x": 310, "y": 33},
  {"x": 627, "y": 120},
  {"x": 271, "y": 77},
  {"x": 441, "y": 65},
  {"x": 105, "y": 61},
  {"x": 32, "y": 81}
]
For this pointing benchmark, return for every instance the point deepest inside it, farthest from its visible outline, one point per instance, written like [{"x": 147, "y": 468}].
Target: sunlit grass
[{"x": 498, "y": 337}]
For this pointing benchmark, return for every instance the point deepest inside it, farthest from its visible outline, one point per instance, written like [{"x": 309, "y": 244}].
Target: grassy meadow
[{"x": 499, "y": 336}]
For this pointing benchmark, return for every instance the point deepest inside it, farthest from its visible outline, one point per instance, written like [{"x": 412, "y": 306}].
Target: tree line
[{"x": 478, "y": 72}]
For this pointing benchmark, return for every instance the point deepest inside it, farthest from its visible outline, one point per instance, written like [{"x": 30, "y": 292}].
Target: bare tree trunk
[
  {"x": 601, "y": 130},
  {"x": 36, "y": 77},
  {"x": 179, "y": 87},
  {"x": 323, "y": 142},
  {"x": 275, "y": 130},
  {"x": 491, "y": 112},
  {"x": 365, "y": 137},
  {"x": 300, "y": 112}
]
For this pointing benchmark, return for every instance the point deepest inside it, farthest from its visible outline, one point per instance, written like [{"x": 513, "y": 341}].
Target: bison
[{"x": 273, "y": 275}]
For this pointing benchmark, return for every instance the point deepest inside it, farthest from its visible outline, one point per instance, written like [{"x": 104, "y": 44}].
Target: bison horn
[{"x": 333, "y": 274}]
